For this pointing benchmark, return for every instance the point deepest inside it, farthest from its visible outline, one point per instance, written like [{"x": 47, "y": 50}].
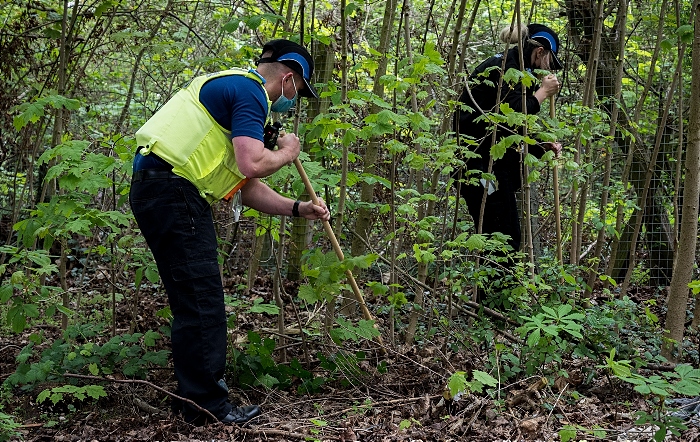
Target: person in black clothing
[{"x": 481, "y": 95}]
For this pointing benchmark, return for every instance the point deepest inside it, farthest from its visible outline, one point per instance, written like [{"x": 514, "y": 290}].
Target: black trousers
[
  {"x": 500, "y": 212},
  {"x": 178, "y": 227}
]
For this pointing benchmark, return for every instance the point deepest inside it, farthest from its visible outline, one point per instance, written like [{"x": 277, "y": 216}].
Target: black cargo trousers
[{"x": 178, "y": 227}]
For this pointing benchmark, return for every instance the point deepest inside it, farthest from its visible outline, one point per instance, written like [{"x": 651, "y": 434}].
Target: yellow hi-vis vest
[{"x": 184, "y": 134}]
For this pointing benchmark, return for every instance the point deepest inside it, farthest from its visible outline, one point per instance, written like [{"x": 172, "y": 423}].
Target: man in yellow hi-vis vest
[{"x": 203, "y": 145}]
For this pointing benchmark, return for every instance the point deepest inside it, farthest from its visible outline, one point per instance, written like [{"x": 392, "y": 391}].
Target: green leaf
[
  {"x": 513, "y": 76},
  {"x": 567, "y": 433},
  {"x": 150, "y": 338},
  {"x": 643, "y": 389},
  {"x": 268, "y": 381},
  {"x": 254, "y": 21},
  {"x": 66, "y": 311},
  {"x": 686, "y": 387},
  {"x": 270, "y": 309},
  {"x": 95, "y": 391},
  {"x": 232, "y": 25},
  {"x": 104, "y": 7},
  {"x": 6, "y": 293},
  {"x": 685, "y": 33},
  {"x": 308, "y": 294},
  {"x": 93, "y": 369},
  {"x": 534, "y": 338},
  {"x": 366, "y": 329},
  {"x": 32, "y": 112},
  {"x": 549, "y": 312},
  {"x": 484, "y": 378},
  {"x": 457, "y": 383},
  {"x": 667, "y": 44},
  {"x": 475, "y": 242},
  {"x": 564, "y": 309},
  {"x": 138, "y": 277},
  {"x": 43, "y": 396},
  {"x": 56, "y": 397},
  {"x": 17, "y": 320},
  {"x": 152, "y": 275}
]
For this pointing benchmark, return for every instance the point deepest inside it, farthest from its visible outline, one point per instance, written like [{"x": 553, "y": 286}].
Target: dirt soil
[{"x": 407, "y": 402}]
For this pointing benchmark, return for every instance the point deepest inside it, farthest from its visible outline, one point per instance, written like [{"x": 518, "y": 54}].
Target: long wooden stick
[
  {"x": 336, "y": 246},
  {"x": 555, "y": 184}
]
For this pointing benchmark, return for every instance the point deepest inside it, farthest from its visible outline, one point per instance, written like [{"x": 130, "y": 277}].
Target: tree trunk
[
  {"x": 678, "y": 291},
  {"x": 325, "y": 59},
  {"x": 364, "y": 215}
]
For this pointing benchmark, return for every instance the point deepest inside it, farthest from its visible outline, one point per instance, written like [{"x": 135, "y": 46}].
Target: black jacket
[{"x": 485, "y": 91}]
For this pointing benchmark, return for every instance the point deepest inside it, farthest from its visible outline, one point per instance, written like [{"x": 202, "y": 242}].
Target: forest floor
[{"x": 406, "y": 402}]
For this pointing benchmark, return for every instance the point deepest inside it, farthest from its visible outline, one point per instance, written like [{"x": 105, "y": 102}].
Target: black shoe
[{"x": 241, "y": 415}]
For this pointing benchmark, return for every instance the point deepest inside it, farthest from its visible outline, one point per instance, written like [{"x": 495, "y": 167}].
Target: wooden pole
[
  {"x": 555, "y": 184},
  {"x": 336, "y": 247}
]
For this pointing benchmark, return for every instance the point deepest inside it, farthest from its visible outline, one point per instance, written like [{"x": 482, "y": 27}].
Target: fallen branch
[
  {"x": 10, "y": 346},
  {"x": 140, "y": 381},
  {"x": 282, "y": 433},
  {"x": 660, "y": 367},
  {"x": 504, "y": 333},
  {"x": 491, "y": 312},
  {"x": 381, "y": 404}
]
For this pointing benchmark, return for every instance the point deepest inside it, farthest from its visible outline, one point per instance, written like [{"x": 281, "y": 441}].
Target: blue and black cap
[
  {"x": 296, "y": 57},
  {"x": 548, "y": 39}
]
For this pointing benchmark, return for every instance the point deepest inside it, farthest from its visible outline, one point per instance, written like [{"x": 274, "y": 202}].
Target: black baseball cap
[
  {"x": 296, "y": 57},
  {"x": 548, "y": 39}
]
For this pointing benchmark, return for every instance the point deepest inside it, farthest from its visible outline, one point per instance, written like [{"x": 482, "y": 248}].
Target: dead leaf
[
  {"x": 531, "y": 425},
  {"x": 348, "y": 435}
]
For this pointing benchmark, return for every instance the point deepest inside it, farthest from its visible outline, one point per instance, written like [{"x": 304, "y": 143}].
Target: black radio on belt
[{"x": 270, "y": 135}]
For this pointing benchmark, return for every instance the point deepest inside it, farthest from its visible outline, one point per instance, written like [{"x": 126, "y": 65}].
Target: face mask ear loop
[{"x": 296, "y": 91}]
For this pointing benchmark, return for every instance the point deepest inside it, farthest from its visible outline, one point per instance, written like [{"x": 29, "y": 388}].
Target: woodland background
[{"x": 592, "y": 335}]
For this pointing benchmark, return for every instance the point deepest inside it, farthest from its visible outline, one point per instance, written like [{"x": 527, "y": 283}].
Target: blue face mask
[{"x": 283, "y": 104}]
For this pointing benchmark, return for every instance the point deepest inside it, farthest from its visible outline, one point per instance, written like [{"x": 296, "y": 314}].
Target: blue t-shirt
[{"x": 237, "y": 103}]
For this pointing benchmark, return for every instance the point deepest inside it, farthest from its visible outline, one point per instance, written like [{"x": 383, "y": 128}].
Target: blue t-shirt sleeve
[{"x": 237, "y": 103}]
